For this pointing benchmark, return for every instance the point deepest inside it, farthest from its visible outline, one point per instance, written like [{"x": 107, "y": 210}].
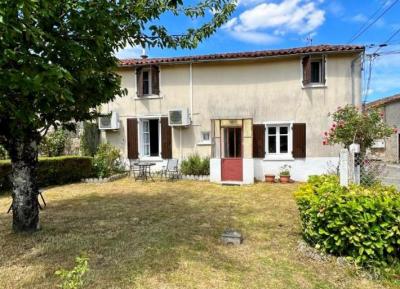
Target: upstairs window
[
  {"x": 313, "y": 70},
  {"x": 147, "y": 81}
]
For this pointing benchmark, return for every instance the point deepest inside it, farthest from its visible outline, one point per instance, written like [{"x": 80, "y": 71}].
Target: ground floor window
[
  {"x": 278, "y": 140},
  {"x": 232, "y": 140},
  {"x": 150, "y": 138}
]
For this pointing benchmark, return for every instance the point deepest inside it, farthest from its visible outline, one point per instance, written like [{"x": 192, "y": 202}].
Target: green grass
[{"x": 166, "y": 235}]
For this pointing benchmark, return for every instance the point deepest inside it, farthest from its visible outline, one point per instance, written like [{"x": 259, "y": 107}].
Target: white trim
[
  {"x": 140, "y": 140},
  {"x": 153, "y": 96},
  {"x": 279, "y": 156},
  {"x": 314, "y": 85}
]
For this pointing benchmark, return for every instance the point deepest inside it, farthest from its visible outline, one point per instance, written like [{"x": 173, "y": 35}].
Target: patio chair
[
  {"x": 133, "y": 169},
  {"x": 171, "y": 171},
  {"x": 40, "y": 194}
]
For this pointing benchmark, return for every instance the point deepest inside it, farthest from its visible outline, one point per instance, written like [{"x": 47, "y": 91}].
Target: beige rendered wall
[
  {"x": 392, "y": 117},
  {"x": 263, "y": 89}
]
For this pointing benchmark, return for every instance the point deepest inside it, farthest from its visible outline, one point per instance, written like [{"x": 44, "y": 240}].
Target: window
[
  {"x": 150, "y": 138},
  {"x": 205, "y": 137},
  {"x": 279, "y": 140},
  {"x": 313, "y": 70},
  {"x": 147, "y": 81}
]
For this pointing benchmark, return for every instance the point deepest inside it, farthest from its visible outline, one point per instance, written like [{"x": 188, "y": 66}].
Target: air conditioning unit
[
  {"x": 178, "y": 117},
  {"x": 109, "y": 122},
  {"x": 378, "y": 144}
]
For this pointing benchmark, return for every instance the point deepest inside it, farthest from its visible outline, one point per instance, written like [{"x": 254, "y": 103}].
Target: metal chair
[
  {"x": 171, "y": 171},
  {"x": 40, "y": 194}
]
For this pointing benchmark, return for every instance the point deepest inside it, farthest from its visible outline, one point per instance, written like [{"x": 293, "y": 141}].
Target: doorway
[{"x": 232, "y": 158}]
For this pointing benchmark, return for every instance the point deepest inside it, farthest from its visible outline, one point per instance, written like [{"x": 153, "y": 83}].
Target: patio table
[{"x": 144, "y": 171}]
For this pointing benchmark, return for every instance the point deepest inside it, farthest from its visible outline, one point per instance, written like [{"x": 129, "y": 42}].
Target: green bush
[
  {"x": 107, "y": 161},
  {"x": 90, "y": 139},
  {"x": 52, "y": 171},
  {"x": 54, "y": 143},
  {"x": 360, "y": 223},
  {"x": 195, "y": 165},
  {"x": 3, "y": 153}
]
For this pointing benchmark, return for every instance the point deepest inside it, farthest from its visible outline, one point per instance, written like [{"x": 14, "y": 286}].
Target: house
[
  {"x": 389, "y": 149},
  {"x": 251, "y": 112}
]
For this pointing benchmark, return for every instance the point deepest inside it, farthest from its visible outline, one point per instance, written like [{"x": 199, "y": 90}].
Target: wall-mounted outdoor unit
[
  {"x": 378, "y": 144},
  {"x": 109, "y": 122},
  {"x": 178, "y": 117}
]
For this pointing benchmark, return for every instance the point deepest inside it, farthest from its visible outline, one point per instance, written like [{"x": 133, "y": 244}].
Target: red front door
[{"x": 232, "y": 163}]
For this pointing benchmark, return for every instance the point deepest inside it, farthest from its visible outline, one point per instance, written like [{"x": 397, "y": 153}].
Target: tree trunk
[{"x": 24, "y": 162}]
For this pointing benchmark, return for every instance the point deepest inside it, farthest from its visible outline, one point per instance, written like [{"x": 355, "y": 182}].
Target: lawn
[{"x": 166, "y": 235}]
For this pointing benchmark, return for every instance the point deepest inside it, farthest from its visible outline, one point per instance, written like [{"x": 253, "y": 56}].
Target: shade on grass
[{"x": 166, "y": 235}]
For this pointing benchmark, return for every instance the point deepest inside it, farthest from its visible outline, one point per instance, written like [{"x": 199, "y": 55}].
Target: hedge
[
  {"x": 52, "y": 171},
  {"x": 362, "y": 224}
]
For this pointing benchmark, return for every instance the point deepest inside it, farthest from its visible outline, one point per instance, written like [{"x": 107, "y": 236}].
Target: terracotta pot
[
  {"x": 284, "y": 179},
  {"x": 269, "y": 178}
]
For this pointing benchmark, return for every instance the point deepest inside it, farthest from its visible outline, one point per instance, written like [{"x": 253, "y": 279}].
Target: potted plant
[
  {"x": 269, "y": 178},
  {"x": 284, "y": 174}
]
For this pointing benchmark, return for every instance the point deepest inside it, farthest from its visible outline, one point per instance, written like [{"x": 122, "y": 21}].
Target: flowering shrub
[
  {"x": 352, "y": 126},
  {"x": 360, "y": 223}
]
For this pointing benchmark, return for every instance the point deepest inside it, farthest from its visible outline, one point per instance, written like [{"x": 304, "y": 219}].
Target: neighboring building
[
  {"x": 389, "y": 149},
  {"x": 251, "y": 112}
]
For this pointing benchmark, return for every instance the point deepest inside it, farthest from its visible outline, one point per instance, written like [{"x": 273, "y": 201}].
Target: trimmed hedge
[
  {"x": 52, "y": 171},
  {"x": 360, "y": 223}
]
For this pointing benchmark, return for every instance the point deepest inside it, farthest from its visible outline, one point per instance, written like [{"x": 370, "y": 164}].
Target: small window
[
  {"x": 316, "y": 71},
  {"x": 205, "y": 136},
  {"x": 313, "y": 70},
  {"x": 278, "y": 139},
  {"x": 146, "y": 84}
]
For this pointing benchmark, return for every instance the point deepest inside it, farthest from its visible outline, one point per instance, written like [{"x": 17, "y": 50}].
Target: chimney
[{"x": 144, "y": 55}]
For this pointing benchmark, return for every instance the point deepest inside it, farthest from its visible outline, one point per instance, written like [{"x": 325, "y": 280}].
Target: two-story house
[{"x": 250, "y": 112}]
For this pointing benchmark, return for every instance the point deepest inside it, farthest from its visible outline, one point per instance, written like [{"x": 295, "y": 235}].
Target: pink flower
[
  {"x": 325, "y": 142},
  {"x": 334, "y": 125},
  {"x": 395, "y": 130},
  {"x": 381, "y": 114},
  {"x": 326, "y": 133}
]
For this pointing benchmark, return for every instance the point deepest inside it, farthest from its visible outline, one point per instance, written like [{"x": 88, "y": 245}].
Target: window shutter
[
  {"x": 299, "y": 140},
  {"x": 306, "y": 70},
  {"x": 166, "y": 139},
  {"x": 139, "y": 81},
  {"x": 132, "y": 139},
  {"x": 258, "y": 141},
  {"x": 323, "y": 73},
  {"x": 155, "y": 83}
]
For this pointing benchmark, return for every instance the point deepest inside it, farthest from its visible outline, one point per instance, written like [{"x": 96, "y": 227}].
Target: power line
[
  {"x": 389, "y": 39},
  {"x": 366, "y": 92},
  {"x": 364, "y": 29}
]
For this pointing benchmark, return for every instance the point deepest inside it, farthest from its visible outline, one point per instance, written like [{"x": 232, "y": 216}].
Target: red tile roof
[
  {"x": 384, "y": 101},
  {"x": 243, "y": 55}
]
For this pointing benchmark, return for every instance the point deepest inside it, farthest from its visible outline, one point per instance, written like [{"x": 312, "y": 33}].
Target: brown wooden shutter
[
  {"x": 323, "y": 73},
  {"x": 306, "y": 70},
  {"x": 132, "y": 138},
  {"x": 139, "y": 81},
  {"x": 155, "y": 82},
  {"x": 299, "y": 140},
  {"x": 166, "y": 139},
  {"x": 258, "y": 141}
]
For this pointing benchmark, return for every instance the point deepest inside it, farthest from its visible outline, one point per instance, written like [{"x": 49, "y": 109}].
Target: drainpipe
[
  {"x": 353, "y": 93},
  {"x": 191, "y": 91}
]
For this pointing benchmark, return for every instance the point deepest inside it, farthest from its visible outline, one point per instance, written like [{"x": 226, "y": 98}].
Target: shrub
[
  {"x": 52, "y": 171},
  {"x": 3, "y": 153},
  {"x": 73, "y": 279},
  {"x": 360, "y": 223},
  {"x": 107, "y": 161},
  {"x": 54, "y": 143},
  {"x": 90, "y": 139},
  {"x": 195, "y": 165}
]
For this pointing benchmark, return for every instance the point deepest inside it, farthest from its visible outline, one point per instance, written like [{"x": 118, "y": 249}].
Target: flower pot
[
  {"x": 269, "y": 178},
  {"x": 284, "y": 179}
]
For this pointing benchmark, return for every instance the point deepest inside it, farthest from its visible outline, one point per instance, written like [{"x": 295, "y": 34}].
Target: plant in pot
[
  {"x": 284, "y": 174},
  {"x": 269, "y": 178}
]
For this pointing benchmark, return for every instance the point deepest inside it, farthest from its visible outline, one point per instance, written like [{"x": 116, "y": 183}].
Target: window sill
[
  {"x": 151, "y": 159},
  {"x": 151, "y": 96},
  {"x": 204, "y": 143},
  {"x": 314, "y": 85},
  {"x": 279, "y": 158}
]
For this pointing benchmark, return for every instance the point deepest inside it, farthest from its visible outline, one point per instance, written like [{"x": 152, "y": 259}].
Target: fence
[{"x": 357, "y": 168}]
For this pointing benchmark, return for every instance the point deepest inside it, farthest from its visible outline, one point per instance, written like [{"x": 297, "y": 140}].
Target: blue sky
[{"x": 261, "y": 24}]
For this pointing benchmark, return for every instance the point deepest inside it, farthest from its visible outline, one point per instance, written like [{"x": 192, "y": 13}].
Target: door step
[{"x": 231, "y": 183}]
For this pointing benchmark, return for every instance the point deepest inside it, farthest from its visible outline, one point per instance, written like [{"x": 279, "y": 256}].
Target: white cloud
[
  {"x": 268, "y": 19},
  {"x": 360, "y": 18},
  {"x": 129, "y": 52}
]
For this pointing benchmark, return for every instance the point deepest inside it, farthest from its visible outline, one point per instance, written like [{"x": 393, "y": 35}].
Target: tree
[
  {"x": 90, "y": 139},
  {"x": 54, "y": 143},
  {"x": 58, "y": 64},
  {"x": 354, "y": 126}
]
